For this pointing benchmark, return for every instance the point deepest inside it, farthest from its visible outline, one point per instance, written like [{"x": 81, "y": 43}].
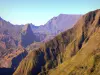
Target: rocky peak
[
  {"x": 27, "y": 35},
  {"x": 27, "y": 28}
]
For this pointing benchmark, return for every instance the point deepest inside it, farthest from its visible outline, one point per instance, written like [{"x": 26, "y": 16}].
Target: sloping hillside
[{"x": 73, "y": 52}]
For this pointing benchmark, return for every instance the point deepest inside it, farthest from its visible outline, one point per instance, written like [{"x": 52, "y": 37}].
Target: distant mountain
[
  {"x": 55, "y": 26},
  {"x": 58, "y": 24},
  {"x": 73, "y": 52},
  {"x": 9, "y": 29},
  {"x": 9, "y": 36}
]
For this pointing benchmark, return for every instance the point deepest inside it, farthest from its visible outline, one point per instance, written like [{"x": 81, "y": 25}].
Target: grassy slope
[
  {"x": 85, "y": 62},
  {"x": 87, "y": 59}
]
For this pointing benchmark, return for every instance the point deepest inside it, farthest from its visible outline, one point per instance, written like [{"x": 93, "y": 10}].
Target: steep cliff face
[{"x": 75, "y": 51}]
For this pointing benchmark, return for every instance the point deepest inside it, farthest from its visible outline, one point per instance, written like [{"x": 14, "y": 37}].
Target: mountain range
[
  {"x": 75, "y": 51},
  {"x": 16, "y": 41},
  {"x": 58, "y": 24}
]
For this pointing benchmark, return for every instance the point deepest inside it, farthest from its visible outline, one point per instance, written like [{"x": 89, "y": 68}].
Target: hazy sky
[{"x": 40, "y": 11}]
